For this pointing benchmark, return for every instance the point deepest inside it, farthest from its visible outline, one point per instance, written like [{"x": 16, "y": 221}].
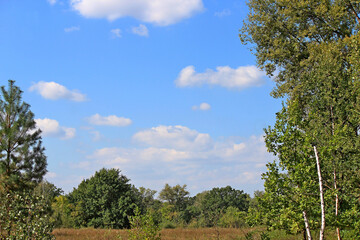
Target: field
[{"x": 170, "y": 234}]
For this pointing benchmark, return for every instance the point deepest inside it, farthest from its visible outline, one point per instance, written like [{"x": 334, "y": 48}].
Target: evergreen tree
[
  {"x": 23, "y": 213},
  {"x": 22, "y": 159}
]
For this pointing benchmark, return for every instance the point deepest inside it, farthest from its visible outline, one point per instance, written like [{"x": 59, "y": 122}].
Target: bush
[
  {"x": 143, "y": 227},
  {"x": 24, "y": 216},
  {"x": 233, "y": 218}
]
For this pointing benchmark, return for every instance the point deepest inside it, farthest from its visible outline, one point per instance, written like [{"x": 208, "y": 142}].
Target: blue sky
[{"x": 163, "y": 90}]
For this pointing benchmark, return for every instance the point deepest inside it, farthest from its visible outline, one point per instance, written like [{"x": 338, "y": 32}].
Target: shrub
[
  {"x": 24, "y": 216},
  {"x": 143, "y": 227}
]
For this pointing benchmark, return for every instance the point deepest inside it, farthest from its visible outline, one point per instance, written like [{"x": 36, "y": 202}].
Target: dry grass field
[{"x": 167, "y": 234}]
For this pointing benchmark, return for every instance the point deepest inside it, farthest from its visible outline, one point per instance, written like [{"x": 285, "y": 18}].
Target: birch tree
[{"x": 312, "y": 46}]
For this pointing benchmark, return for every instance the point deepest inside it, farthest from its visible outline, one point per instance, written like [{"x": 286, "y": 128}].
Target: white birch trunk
[
  {"x": 322, "y": 229},
  {"x": 307, "y": 226}
]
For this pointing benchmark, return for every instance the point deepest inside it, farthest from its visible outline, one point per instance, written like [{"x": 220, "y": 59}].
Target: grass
[{"x": 170, "y": 234}]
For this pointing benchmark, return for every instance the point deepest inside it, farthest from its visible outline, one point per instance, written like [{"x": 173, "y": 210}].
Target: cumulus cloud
[
  {"x": 224, "y": 76},
  {"x": 72, "y": 29},
  {"x": 109, "y": 156},
  {"x": 52, "y": 128},
  {"x": 116, "y": 33},
  {"x": 160, "y": 12},
  {"x": 141, "y": 30},
  {"x": 175, "y": 154},
  {"x": 203, "y": 107},
  {"x": 111, "y": 120},
  {"x": 175, "y": 137},
  {"x": 55, "y": 91}
]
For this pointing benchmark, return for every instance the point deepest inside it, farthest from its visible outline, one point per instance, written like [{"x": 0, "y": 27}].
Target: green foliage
[
  {"x": 143, "y": 227},
  {"x": 147, "y": 198},
  {"x": 313, "y": 47},
  {"x": 233, "y": 218},
  {"x": 48, "y": 190},
  {"x": 249, "y": 236},
  {"x": 216, "y": 201},
  {"x": 22, "y": 158},
  {"x": 24, "y": 213},
  {"x": 24, "y": 216},
  {"x": 63, "y": 212},
  {"x": 264, "y": 236},
  {"x": 105, "y": 200},
  {"x": 176, "y": 196}
]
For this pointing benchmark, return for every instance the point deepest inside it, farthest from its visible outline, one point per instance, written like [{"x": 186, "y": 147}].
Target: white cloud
[
  {"x": 224, "y": 76},
  {"x": 72, "y": 29},
  {"x": 116, "y": 33},
  {"x": 223, "y": 13},
  {"x": 160, "y": 12},
  {"x": 111, "y": 120},
  {"x": 175, "y": 137},
  {"x": 141, "y": 30},
  {"x": 203, "y": 107},
  {"x": 52, "y": 2},
  {"x": 54, "y": 91},
  {"x": 174, "y": 155},
  {"x": 109, "y": 156},
  {"x": 52, "y": 128}
]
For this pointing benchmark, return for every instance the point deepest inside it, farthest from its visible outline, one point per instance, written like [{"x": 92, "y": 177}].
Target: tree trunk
[
  {"x": 307, "y": 227},
  {"x": 322, "y": 229}
]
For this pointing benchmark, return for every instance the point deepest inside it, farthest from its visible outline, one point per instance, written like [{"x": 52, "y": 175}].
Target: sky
[{"x": 162, "y": 90}]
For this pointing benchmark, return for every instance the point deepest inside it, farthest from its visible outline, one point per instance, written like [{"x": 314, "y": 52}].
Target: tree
[
  {"x": 105, "y": 200},
  {"x": 312, "y": 46},
  {"x": 147, "y": 197},
  {"x": 48, "y": 190},
  {"x": 23, "y": 214},
  {"x": 22, "y": 159},
  {"x": 216, "y": 201},
  {"x": 176, "y": 196}
]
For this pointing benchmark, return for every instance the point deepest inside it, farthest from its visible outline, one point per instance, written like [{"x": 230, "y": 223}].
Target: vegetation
[
  {"x": 24, "y": 214},
  {"x": 312, "y": 188},
  {"x": 180, "y": 234},
  {"x": 310, "y": 47},
  {"x": 104, "y": 200}
]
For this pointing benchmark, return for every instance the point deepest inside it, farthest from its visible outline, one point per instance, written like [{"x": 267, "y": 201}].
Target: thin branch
[{"x": 354, "y": 12}]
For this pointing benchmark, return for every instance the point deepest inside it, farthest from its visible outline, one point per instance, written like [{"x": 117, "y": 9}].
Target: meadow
[{"x": 178, "y": 234}]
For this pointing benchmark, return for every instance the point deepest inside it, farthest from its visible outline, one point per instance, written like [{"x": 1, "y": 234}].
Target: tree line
[{"x": 108, "y": 200}]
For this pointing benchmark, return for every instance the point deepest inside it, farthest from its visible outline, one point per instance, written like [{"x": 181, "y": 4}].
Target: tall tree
[
  {"x": 22, "y": 159},
  {"x": 23, "y": 214},
  {"x": 176, "y": 196},
  {"x": 312, "y": 45},
  {"x": 107, "y": 199}
]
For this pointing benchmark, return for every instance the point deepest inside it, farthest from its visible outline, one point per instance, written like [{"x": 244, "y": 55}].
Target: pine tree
[{"x": 22, "y": 159}]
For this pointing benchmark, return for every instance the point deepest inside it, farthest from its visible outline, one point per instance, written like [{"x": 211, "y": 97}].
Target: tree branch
[{"x": 354, "y": 12}]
